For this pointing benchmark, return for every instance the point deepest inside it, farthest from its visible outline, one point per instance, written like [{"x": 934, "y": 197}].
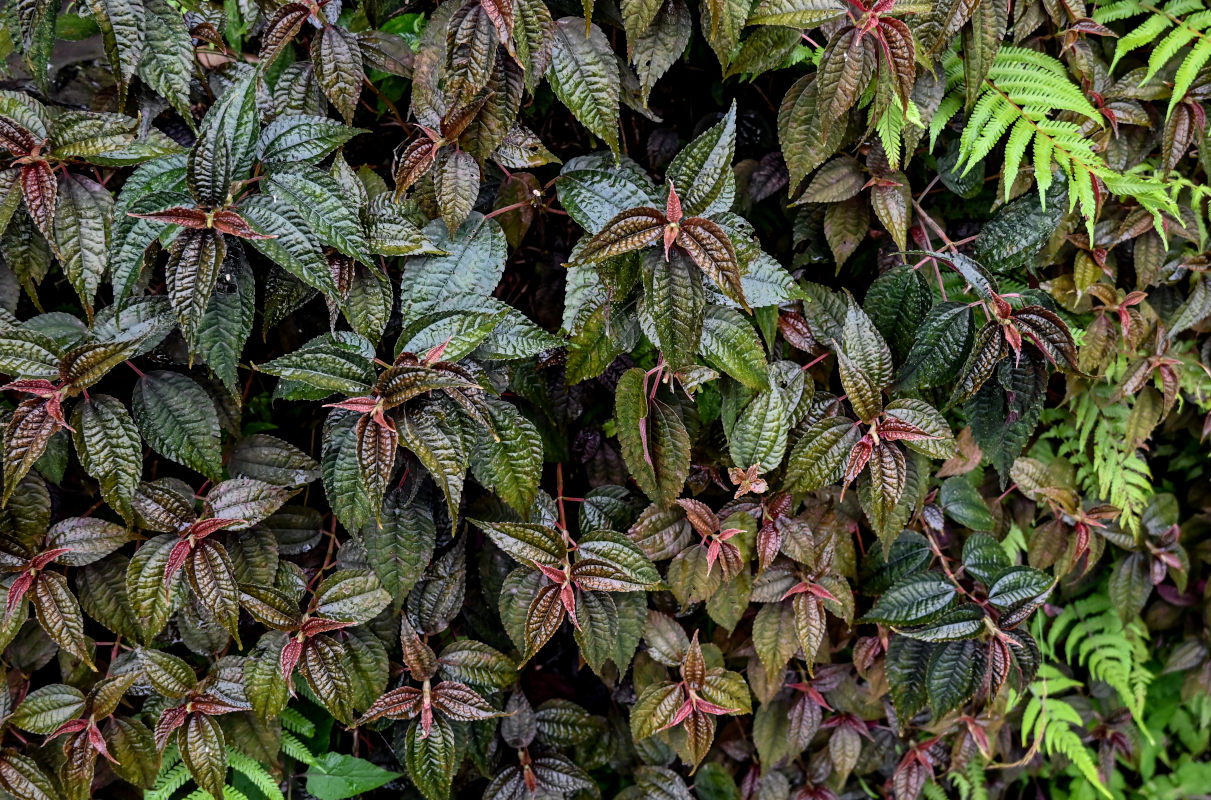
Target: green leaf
[
  {"x": 897, "y": 302},
  {"x": 1005, "y": 411},
  {"x": 337, "y": 59},
  {"x": 593, "y": 190},
  {"x": 122, "y": 25},
  {"x": 204, "y": 751},
  {"x": 82, "y": 219},
  {"x": 703, "y": 170},
  {"x": 1017, "y": 584},
  {"x": 336, "y": 776},
  {"x": 730, "y": 344},
  {"x": 44, "y": 710},
  {"x": 1130, "y": 585},
  {"x": 511, "y": 463},
  {"x": 295, "y": 247},
  {"x": 177, "y": 418},
  {"x": 332, "y": 362},
  {"x": 400, "y": 544},
  {"x": 87, "y": 538},
  {"x": 674, "y": 304},
  {"x": 351, "y": 596},
  {"x": 962, "y": 622},
  {"x": 759, "y": 434},
  {"x": 963, "y": 503},
  {"x": 109, "y": 449},
  {"x": 431, "y": 760},
  {"x": 318, "y": 199},
  {"x": 193, "y": 268},
  {"x": 664, "y": 41},
  {"x": 526, "y": 542},
  {"x": 819, "y": 457},
  {"x": 954, "y": 674},
  {"x": 795, "y": 13},
  {"x": 943, "y": 341},
  {"x": 227, "y": 321},
  {"x": 654, "y": 441},
  {"x": 167, "y": 62},
  {"x": 597, "y": 631},
  {"x": 584, "y": 76},
  {"x": 226, "y": 144},
  {"x": 864, "y": 362},
  {"x": 301, "y": 139},
  {"x": 774, "y": 636},
  {"x": 913, "y": 600}
]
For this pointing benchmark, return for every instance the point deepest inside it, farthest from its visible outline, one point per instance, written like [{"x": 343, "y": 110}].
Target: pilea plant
[{"x": 788, "y": 399}]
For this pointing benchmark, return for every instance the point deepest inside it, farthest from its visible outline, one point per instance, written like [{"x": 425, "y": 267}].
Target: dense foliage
[{"x": 787, "y": 399}]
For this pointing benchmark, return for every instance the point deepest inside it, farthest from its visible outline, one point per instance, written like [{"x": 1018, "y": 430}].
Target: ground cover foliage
[{"x": 512, "y": 399}]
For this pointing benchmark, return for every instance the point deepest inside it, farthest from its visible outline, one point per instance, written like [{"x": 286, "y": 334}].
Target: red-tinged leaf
[
  {"x": 170, "y": 719},
  {"x": 193, "y": 268},
  {"x": 413, "y": 162},
  {"x": 847, "y": 66},
  {"x": 376, "y": 449},
  {"x": 281, "y": 29},
  {"x": 289, "y": 657},
  {"x": 401, "y": 703},
  {"x": 631, "y": 230},
  {"x": 700, "y": 516},
  {"x": 184, "y": 216},
  {"x": 234, "y": 224},
  {"x": 25, "y": 439},
  {"x": 204, "y": 527},
  {"x": 710, "y": 248},
  {"x": 901, "y": 56},
  {"x": 989, "y": 348},
  {"x": 543, "y": 618},
  {"x": 699, "y": 735},
  {"x": 15, "y": 138},
  {"x": 672, "y": 207},
  {"x": 59, "y": 614},
  {"x": 1048, "y": 333},
  {"x": 858, "y": 458},
  {"x": 501, "y": 14},
  {"x": 419, "y": 658},
  {"x": 457, "y": 701},
  {"x": 17, "y": 591},
  {"x": 693, "y": 666},
  {"x": 41, "y": 192}
]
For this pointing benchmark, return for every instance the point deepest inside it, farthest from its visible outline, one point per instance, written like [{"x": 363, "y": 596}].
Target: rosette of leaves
[
  {"x": 958, "y": 633},
  {"x": 50, "y": 150},
  {"x": 430, "y": 742},
  {"x": 593, "y": 583},
  {"x": 837, "y": 447},
  {"x": 685, "y": 710},
  {"x": 539, "y": 735}
]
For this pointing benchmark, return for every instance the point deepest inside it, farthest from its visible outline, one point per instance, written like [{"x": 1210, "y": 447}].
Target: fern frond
[
  {"x": 1028, "y": 97},
  {"x": 293, "y": 720},
  {"x": 1181, "y": 22},
  {"x": 292, "y": 747},
  {"x": 168, "y": 782},
  {"x": 256, "y": 774}
]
